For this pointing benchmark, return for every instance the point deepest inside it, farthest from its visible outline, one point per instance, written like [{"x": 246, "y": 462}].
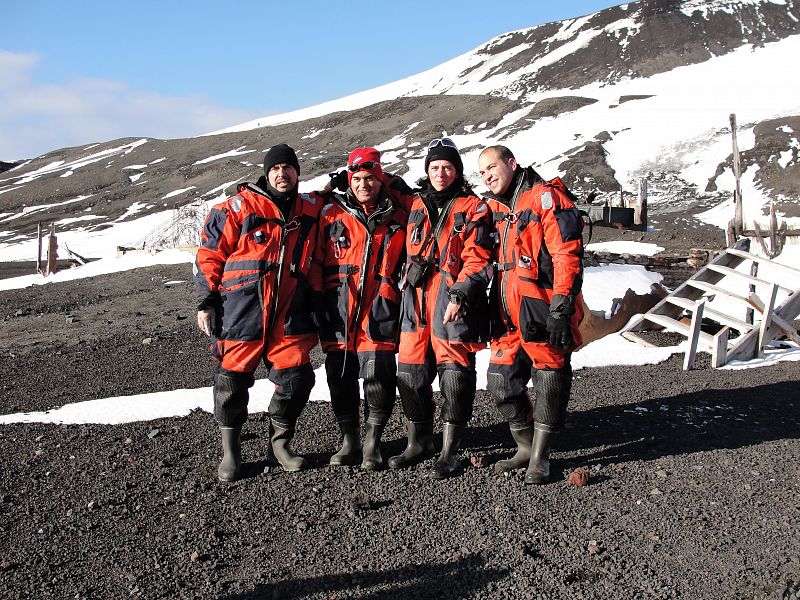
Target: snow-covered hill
[{"x": 641, "y": 90}]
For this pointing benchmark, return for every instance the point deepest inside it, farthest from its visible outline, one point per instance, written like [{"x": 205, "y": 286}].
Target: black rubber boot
[
  {"x": 350, "y": 452},
  {"x": 538, "y": 471},
  {"x": 231, "y": 465},
  {"x": 373, "y": 461},
  {"x": 280, "y": 437},
  {"x": 523, "y": 435},
  {"x": 419, "y": 446},
  {"x": 449, "y": 460}
]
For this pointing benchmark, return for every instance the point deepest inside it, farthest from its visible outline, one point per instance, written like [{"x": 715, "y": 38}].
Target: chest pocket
[
  {"x": 417, "y": 220},
  {"x": 529, "y": 241},
  {"x": 299, "y": 253},
  {"x": 526, "y": 217},
  {"x": 384, "y": 266},
  {"x": 338, "y": 235}
]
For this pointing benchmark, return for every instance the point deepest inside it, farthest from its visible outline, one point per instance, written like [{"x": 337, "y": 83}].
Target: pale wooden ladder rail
[{"x": 691, "y": 297}]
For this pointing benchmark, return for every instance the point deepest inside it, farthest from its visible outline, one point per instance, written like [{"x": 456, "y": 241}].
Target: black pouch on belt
[{"x": 418, "y": 269}]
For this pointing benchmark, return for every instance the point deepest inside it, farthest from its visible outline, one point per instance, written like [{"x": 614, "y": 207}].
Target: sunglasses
[
  {"x": 442, "y": 142},
  {"x": 366, "y": 165}
]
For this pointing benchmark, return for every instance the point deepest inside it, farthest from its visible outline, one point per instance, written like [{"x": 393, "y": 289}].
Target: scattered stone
[
  {"x": 154, "y": 433},
  {"x": 479, "y": 462},
  {"x": 147, "y": 341},
  {"x": 360, "y": 502},
  {"x": 578, "y": 477}
]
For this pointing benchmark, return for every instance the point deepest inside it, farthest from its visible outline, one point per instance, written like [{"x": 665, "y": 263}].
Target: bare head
[{"x": 496, "y": 165}]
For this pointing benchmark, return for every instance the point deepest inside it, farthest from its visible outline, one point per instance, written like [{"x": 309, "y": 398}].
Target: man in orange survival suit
[
  {"x": 536, "y": 304},
  {"x": 449, "y": 248},
  {"x": 254, "y": 302},
  {"x": 359, "y": 255}
]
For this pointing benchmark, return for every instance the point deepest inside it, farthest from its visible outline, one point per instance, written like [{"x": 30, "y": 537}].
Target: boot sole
[
  {"x": 505, "y": 468},
  {"x": 410, "y": 462},
  {"x": 228, "y": 479},
  {"x": 536, "y": 480}
]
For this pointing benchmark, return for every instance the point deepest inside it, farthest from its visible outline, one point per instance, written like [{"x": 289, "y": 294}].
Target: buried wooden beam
[{"x": 719, "y": 354}]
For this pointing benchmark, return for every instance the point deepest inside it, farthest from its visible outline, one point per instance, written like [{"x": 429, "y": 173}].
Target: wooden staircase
[{"x": 753, "y": 308}]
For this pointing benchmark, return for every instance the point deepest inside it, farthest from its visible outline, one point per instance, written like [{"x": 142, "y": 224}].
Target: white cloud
[{"x": 39, "y": 117}]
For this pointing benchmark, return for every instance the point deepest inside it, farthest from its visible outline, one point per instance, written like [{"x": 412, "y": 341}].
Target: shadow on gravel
[
  {"x": 460, "y": 578},
  {"x": 684, "y": 424}
]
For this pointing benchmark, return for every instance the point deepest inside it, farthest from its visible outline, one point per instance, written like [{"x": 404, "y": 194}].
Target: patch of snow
[
  {"x": 314, "y": 133},
  {"x": 71, "y": 220},
  {"x": 178, "y": 192},
  {"x": 238, "y": 152},
  {"x": 622, "y": 247},
  {"x": 132, "y": 210}
]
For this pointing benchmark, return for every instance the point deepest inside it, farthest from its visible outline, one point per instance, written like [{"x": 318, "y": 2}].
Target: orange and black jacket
[
  {"x": 357, "y": 262},
  {"x": 539, "y": 270},
  {"x": 253, "y": 264},
  {"x": 458, "y": 243}
]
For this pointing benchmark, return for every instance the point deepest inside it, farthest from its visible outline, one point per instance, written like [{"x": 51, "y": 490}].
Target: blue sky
[{"x": 82, "y": 72}]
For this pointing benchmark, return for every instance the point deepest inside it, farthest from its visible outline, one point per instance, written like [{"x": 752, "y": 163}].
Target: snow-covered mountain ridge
[{"x": 643, "y": 89}]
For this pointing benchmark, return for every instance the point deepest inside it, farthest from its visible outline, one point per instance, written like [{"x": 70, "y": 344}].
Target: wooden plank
[
  {"x": 719, "y": 354},
  {"x": 744, "y": 276},
  {"x": 772, "y": 263},
  {"x": 632, "y": 337},
  {"x": 765, "y": 320},
  {"x": 745, "y": 346},
  {"x": 713, "y": 289},
  {"x": 738, "y": 219},
  {"x": 687, "y": 290},
  {"x": 782, "y": 324},
  {"x": 710, "y": 313},
  {"x": 678, "y": 327},
  {"x": 694, "y": 336},
  {"x": 39, "y": 254},
  {"x": 750, "y": 314}
]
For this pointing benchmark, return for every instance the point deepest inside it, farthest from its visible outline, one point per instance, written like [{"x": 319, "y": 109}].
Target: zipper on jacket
[
  {"x": 506, "y": 313},
  {"x": 443, "y": 215},
  {"x": 351, "y": 326}
]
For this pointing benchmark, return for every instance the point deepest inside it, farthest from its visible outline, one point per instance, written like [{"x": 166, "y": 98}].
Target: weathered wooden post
[
  {"x": 39, "y": 244},
  {"x": 52, "y": 252},
  {"x": 738, "y": 219},
  {"x": 640, "y": 211}
]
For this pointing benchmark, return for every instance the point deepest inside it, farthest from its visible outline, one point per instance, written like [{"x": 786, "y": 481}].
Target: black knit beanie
[
  {"x": 442, "y": 152},
  {"x": 278, "y": 154}
]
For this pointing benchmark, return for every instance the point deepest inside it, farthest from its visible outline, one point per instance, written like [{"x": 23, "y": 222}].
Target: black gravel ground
[{"x": 694, "y": 488}]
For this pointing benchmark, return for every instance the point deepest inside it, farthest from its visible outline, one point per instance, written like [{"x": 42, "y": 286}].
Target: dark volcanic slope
[
  {"x": 116, "y": 174},
  {"x": 694, "y": 491}
]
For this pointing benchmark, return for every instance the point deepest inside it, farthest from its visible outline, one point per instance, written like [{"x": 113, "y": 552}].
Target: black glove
[
  {"x": 339, "y": 181},
  {"x": 560, "y": 333}
]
